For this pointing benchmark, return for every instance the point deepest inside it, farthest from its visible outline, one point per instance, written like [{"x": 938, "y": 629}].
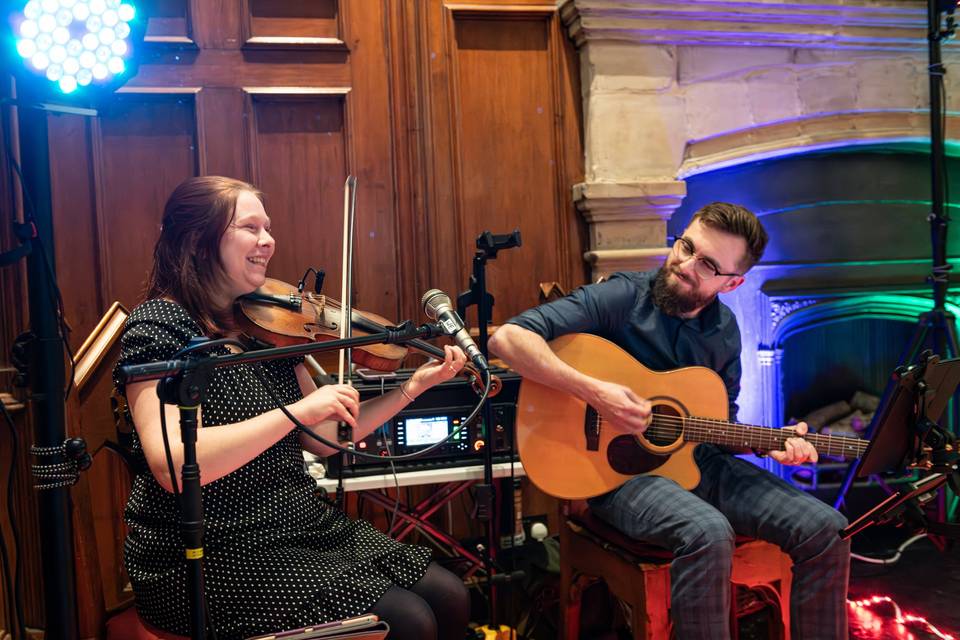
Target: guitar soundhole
[
  {"x": 626, "y": 456},
  {"x": 666, "y": 427}
]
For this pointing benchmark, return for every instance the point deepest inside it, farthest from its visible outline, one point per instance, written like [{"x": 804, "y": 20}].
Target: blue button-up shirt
[{"x": 622, "y": 310}]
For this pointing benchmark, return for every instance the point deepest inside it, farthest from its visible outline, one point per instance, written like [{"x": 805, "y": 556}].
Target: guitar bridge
[{"x": 591, "y": 429}]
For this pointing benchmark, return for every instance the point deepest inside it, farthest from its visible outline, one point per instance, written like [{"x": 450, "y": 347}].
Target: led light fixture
[{"x": 78, "y": 46}]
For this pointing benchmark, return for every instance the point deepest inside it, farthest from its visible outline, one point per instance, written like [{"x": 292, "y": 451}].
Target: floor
[{"x": 925, "y": 582}]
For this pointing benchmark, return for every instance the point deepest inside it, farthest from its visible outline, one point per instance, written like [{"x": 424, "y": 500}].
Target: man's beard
[{"x": 671, "y": 300}]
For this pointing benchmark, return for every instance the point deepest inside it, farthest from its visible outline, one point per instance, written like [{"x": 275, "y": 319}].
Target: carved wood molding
[
  {"x": 95, "y": 348},
  {"x": 11, "y": 403}
]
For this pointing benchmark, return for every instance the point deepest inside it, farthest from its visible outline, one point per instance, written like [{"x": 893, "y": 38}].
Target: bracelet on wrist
[{"x": 406, "y": 395}]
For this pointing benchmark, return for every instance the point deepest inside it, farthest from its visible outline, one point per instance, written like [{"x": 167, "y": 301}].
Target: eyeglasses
[{"x": 704, "y": 267}]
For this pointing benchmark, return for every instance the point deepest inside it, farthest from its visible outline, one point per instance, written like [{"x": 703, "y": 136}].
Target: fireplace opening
[{"x": 833, "y": 376}]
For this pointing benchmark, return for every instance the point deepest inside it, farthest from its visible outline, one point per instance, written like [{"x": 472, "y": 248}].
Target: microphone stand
[
  {"x": 184, "y": 383},
  {"x": 488, "y": 245},
  {"x": 907, "y": 436}
]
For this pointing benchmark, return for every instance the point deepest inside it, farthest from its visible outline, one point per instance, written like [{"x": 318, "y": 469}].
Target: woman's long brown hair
[{"x": 186, "y": 259}]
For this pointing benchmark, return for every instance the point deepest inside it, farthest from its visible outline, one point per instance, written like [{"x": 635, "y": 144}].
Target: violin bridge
[{"x": 318, "y": 302}]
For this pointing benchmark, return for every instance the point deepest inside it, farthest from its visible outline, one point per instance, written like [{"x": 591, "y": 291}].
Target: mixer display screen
[{"x": 426, "y": 430}]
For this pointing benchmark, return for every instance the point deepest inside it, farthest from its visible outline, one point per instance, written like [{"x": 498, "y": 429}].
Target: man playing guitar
[{"x": 672, "y": 318}]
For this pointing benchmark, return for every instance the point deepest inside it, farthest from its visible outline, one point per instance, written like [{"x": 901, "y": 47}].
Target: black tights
[{"x": 437, "y": 607}]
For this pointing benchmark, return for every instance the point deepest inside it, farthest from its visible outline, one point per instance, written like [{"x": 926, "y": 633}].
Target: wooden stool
[{"x": 639, "y": 574}]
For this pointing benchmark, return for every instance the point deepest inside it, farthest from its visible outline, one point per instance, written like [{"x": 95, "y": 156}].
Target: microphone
[{"x": 436, "y": 304}]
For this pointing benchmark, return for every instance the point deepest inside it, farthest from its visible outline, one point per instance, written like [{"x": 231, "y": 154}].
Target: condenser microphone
[{"x": 436, "y": 304}]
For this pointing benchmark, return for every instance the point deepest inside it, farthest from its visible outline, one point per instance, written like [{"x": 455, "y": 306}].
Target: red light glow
[{"x": 900, "y": 624}]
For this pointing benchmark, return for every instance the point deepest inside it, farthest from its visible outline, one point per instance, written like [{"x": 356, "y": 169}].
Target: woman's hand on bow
[{"x": 329, "y": 402}]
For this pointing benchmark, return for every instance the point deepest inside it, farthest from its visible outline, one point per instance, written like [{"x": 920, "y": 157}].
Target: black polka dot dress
[{"x": 276, "y": 556}]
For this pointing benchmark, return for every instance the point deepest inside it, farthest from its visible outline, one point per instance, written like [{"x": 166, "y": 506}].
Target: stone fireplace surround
[
  {"x": 672, "y": 89},
  {"x": 677, "y": 91}
]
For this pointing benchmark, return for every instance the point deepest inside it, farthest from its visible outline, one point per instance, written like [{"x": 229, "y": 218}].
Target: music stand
[{"x": 906, "y": 436}]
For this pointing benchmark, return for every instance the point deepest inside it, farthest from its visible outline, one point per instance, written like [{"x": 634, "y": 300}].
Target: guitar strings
[{"x": 666, "y": 426}]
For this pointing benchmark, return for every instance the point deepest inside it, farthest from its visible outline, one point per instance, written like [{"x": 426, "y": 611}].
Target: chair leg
[
  {"x": 734, "y": 623},
  {"x": 571, "y": 606},
  {"x": 786, "y": 582},
  {"x": 569, "y": 600},
  {"x": 651, "y": 608}
]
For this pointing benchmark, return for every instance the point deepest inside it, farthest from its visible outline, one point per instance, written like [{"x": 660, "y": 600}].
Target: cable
[
  {"x": 892, "y": 559},
  {"x": 393, "y": 467},
  {"x": 57, "y": 298},
  {"x": 175, "y": 485},
  {"x": 258, "y": 371},
  {"x": 168, "y": 454},
  {"x": 15, "y": 586},
  {"x": 261, "y": 377}
]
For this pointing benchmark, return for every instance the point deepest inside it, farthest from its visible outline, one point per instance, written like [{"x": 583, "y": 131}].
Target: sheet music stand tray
[{"x": 906, "y": 436}]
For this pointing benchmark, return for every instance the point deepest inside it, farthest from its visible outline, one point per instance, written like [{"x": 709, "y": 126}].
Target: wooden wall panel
[
  {"x": 382, "y": 285},
  {"x": 220, "y": 110},
  {"x": 169, "y": 19},
  {"x": 500, "y": 127},
  {"x": 302, "y": 159},
  {"x": 146, "y": 145},
  {"x": 456, "y": 118},
  {"x": 300, "y": 163},
  {"x": 507, "y": 157},
  {"x": 77, "y": 236},
  {"x": 294, "y": 19}
]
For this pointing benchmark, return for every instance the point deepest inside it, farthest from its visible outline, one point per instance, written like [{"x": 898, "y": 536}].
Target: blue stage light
[{"x": 78, "y": 45}]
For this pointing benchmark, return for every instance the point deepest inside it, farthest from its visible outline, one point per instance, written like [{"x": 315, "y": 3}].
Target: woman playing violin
[{"x": 276, "y": 556}]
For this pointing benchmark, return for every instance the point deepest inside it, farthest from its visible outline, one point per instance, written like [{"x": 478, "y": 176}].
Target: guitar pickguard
[{"x": 626, "y": 455}]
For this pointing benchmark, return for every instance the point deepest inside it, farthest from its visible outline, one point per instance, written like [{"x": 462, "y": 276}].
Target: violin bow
[{"x": 346, "y": 287}]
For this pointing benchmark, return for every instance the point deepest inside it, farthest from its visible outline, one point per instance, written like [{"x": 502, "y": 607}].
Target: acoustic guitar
[{"x": 569, "y": 451}]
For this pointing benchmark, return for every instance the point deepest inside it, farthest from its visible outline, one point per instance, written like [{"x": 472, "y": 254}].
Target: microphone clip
[{"x": 406, "y": 331}]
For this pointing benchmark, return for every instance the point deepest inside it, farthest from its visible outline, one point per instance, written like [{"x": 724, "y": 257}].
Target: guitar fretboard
[{"x": 733, "y": 434}]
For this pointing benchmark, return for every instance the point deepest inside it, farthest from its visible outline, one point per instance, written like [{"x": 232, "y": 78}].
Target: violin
[{"x": 280, "y": 315}]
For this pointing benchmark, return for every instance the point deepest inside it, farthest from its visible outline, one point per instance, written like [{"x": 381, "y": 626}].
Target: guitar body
[{"x": 564, "y": 452}]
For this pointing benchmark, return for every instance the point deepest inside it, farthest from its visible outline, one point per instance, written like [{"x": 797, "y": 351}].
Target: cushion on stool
[
  {"x": 610, "y": 538},
  {"x": 128, "y": 626}
]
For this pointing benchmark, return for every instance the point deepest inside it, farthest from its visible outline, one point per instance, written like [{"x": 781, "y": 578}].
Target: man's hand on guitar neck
[
  {"x": 620, "y": 406},
  {"x": 796, "y": 450}
]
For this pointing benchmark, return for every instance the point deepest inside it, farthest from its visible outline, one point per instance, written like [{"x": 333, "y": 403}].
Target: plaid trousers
[{"x": 736, "y": 497}]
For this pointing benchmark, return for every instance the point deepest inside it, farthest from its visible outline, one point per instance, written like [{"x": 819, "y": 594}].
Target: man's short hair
[{"x": 739, "y": 221}]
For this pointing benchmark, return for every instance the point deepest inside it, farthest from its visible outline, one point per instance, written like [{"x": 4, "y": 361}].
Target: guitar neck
[{"x": 733, "y": 434}]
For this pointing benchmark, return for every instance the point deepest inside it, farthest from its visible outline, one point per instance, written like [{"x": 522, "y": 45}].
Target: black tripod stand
[{"x": 935, "y": 329}]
